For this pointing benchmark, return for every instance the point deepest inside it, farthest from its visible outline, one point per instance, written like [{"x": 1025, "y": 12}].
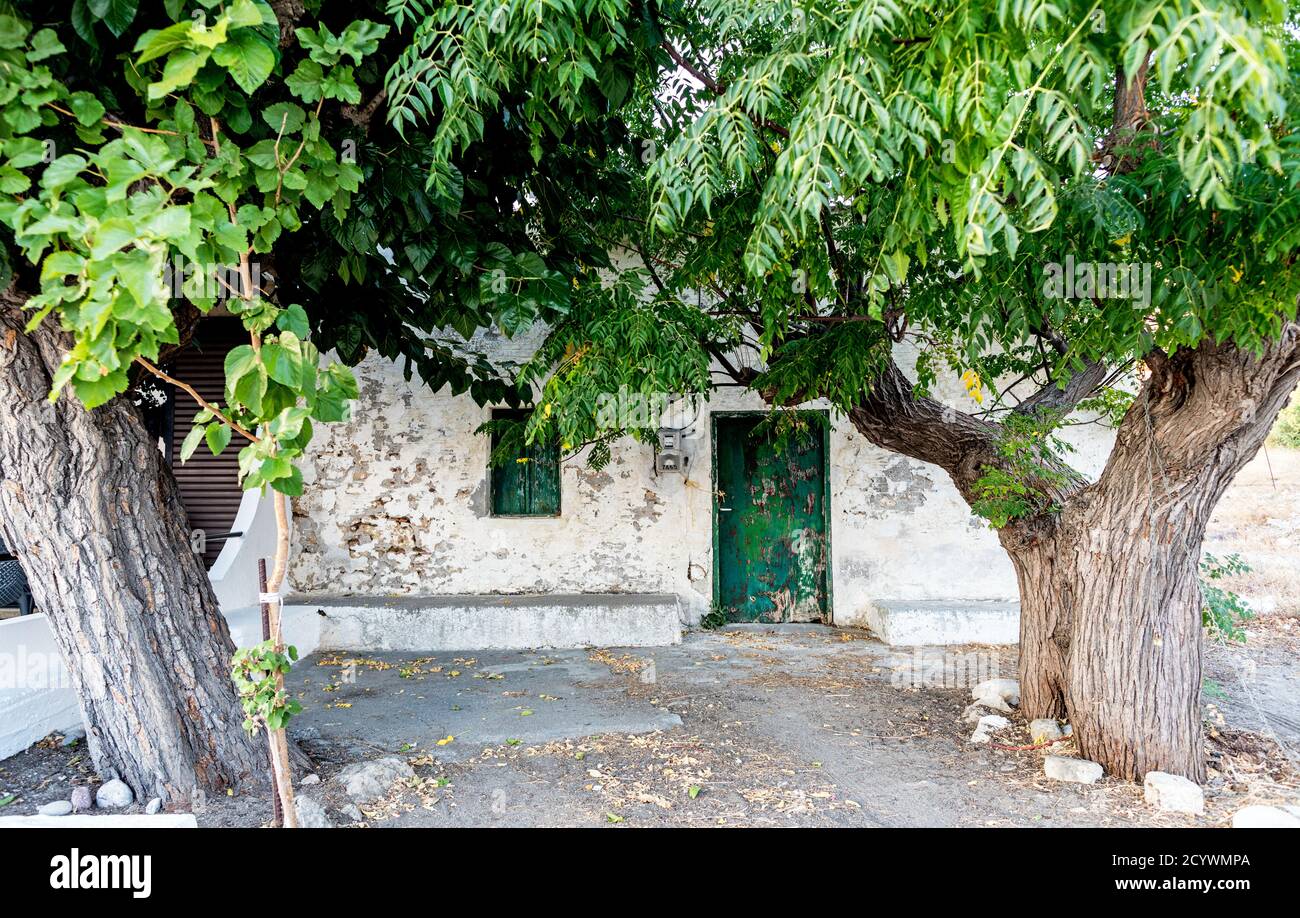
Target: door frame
[{"x": 826, "y": 495}]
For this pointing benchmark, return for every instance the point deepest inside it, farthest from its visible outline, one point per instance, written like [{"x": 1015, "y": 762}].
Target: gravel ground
[{"x": 804, "y": 726}]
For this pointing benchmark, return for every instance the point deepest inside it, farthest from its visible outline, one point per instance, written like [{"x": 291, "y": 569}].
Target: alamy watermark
[
  {"x": 943, "y": 669},
  {"x": 1098, "y": 280}
]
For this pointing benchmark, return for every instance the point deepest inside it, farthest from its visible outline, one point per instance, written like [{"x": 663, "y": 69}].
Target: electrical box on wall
[{"x": 671, "y": 455}]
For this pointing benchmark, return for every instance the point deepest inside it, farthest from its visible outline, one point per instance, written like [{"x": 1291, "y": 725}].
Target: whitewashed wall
[{"x": 396, "y": 502}]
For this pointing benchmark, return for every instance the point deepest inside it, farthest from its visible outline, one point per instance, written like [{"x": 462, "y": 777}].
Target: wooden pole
[{"x": 266, "y": 636}]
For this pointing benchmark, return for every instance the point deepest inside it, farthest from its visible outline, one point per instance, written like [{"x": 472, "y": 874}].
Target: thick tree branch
[{"x": 1053, "y": 397}]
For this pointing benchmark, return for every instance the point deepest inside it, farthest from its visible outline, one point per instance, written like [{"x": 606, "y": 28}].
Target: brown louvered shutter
[{"x": 209, "y": 484}]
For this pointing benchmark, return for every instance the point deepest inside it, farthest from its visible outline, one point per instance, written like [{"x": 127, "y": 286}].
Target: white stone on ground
[
  {"x": 1076, "y": 771},
  {"x": 114, "y": 795},
  {"x": 974, "y": 712},
  {"x": 1044, "y": 730},
  {"x": 153, "y": 807},
  {"x": 1258, "y": 816},
  {"x": 56, "y": 808},
  {"x": 1173, "y": 793},
  {"x": 987, "y": 725},
  {"x": 1000, "y": 694},
  {"x": 310, "y": 779},
  {"x": 366, "y": 782},
  {"x": 311, "y": 815}
]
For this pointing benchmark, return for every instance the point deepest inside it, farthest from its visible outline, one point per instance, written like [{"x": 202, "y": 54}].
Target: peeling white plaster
[{"x": 396, "y": 503}]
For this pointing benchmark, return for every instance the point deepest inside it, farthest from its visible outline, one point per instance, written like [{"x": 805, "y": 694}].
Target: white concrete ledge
[
  {"x": 300, "y": 626},
  {"x": 494, "y": 622},
  {"x": 912, "y": 623},
  {"x": 109, "y": 821},
  {"x": 36, "y": 696}
]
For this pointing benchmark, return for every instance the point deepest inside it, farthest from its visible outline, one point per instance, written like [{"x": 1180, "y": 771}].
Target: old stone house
[{"x": 401, "y": 511}]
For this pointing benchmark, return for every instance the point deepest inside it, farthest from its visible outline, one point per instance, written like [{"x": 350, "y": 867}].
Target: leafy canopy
[{"x": 827, "y": 179}]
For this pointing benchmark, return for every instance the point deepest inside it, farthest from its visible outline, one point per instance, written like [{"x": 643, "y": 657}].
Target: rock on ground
[
  {"x": 987, "y": 725},
  {"x": 366, "y": 782},
  {"x": 974, "y": 712},
  {"x": 1173, "y": 793},
  {"x": 81, "y": 799},
  {"x": 1077, "y": 771},
  {"x": 1044, "y": 730},
  {"x": 114, "y": 795},
  {"x": 1264, "y": 817},
  {"x": 154, "y": 807},
  {"x": 311, "y": 815},
  {"x": 57, "y": 808},
  {"x": 1000, "y": 694}
]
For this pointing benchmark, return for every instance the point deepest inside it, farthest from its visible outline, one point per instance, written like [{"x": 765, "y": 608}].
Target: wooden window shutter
[{"x": 527, "y": 484}]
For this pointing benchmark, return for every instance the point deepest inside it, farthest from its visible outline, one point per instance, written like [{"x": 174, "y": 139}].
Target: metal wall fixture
[{"x": 670, "y": 454}]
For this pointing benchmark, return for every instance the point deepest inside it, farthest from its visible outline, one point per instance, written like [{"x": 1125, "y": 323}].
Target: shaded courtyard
[{"x": 745, "y": 726}]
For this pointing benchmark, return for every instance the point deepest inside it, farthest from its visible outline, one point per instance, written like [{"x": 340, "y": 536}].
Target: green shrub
[
  {"x": 1223, "y": 611},
  {"x": 1286, "y": 432}
]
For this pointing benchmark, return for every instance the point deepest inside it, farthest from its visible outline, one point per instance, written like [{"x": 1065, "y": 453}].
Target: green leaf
[
  {"x": 305, "y": 82},
  {"x": 86, "y": 107},
  {"x": 294, "y": 319},
  {"x": 291, "y": 484},
  {"x": 62, "y": 171},
  {"x": 192, "y": 441},
  {"x": 179, "y": 71},
  {"x": 247, "y": 57},
  {"x": 285, "y": 117},
  {"x": 116, "y": 14},
  {"x": 13, "y": 32},
  {"x": 218, "y": 437},
  {"x": 157, "y": 43},
  {"x": 45, "y": 43},
  {"x": 245, "y": 13},
  {"x": 283, "y": 361}
]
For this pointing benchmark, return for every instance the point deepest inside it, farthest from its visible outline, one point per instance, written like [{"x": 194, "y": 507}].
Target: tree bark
[
  {"x": 93, "y": 514},
  {"x": 1110, "y": 601},
  {"x": 1134, "y": 673}
]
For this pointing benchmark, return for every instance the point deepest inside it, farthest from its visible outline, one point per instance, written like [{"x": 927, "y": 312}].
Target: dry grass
[{"x": 1259, "y": 518}]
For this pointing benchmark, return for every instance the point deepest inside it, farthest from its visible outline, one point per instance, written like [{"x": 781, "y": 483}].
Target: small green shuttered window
[{"x": 527, "y": 483}]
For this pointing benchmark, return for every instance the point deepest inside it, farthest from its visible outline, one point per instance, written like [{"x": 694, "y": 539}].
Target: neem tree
[
  {"x": 245, "y": 143},
  {"x": 833, "y": 181}
]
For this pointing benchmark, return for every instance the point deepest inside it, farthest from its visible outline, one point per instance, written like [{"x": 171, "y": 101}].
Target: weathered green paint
[
  {"x": 530, "y": 487},
  {"x": 770, "y": 511}
]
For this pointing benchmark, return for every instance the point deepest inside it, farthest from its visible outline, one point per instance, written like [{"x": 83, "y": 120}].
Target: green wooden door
[{"x": 770, "y": 508}]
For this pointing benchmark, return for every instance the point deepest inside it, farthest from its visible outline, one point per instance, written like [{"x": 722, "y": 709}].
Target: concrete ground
[{"x": 793, "y": 725}]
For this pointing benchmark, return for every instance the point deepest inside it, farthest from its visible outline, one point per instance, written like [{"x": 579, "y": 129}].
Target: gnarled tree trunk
[
  {"x": 1110, "y": 601},
  {"x": 94, "y": 517},
  {"x": 1134, "y": 668}
]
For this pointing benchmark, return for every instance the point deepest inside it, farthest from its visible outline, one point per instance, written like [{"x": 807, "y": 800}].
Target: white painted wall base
[
  {"x": 496, "y": 622},
  {"x": 912, "y": 623},
  {"x": 300, "y": 624},
  {"x": 108, "y": 821},
  {"x": 36, "y": 697}
]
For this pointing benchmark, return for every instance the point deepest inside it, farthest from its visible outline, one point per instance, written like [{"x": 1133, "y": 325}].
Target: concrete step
[
  {"x": 431, "y": 623},
  {"x": 912, "y": 623}
]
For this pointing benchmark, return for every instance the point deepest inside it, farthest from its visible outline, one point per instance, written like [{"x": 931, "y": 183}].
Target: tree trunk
[
  {"x": 93, "y": 514},
  {"x": 1110, "y": 601},
  {"x": 1045, "y": 615}
]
